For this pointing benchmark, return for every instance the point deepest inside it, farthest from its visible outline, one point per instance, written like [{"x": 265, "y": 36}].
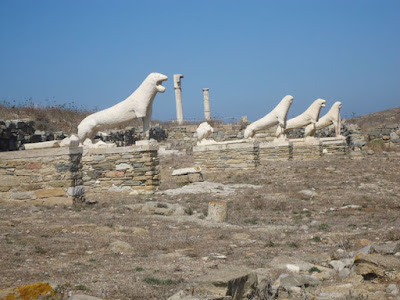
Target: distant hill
[{"x": 378, "y": 119}]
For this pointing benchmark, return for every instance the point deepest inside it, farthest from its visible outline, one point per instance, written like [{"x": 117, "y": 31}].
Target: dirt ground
[{"x": 75, "y": 246}]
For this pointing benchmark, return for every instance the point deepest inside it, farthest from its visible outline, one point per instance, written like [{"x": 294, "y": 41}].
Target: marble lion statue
[
  {"x": 138, "y": 105},
  {"x": 276, "y": 116},
  {"x": 332, "y": 117},
  {"x": 310, "y": 116}
]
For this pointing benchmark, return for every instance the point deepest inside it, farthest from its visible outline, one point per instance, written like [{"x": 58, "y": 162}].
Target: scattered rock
[
  {"x": 392, "y": 289},
  {"x": 186, "y": 171},
  {"x": 234, "y": 281},
  {"x": 337, "y": 265},
  {"x": 308, "y": 193},
  {"x": 335, "y": 291},
  {"x": 344, "y": 273},
  {"x": 372, "y": 266},
  {"x": 390, "y": 248},
  {"x": 207, "y": 187},
  {"x": 297, "y": 280},
  {"x": 281, "y": 262},
  {"x": 34, "y": 291}
]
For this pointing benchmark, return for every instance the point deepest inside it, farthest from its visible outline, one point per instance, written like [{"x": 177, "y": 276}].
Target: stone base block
[
  {"x": 275, "y": 151},
  {"x": 232, "y": 155},
  {"x": 334, "y": 147},
  {"x": 307, "y": 150}
]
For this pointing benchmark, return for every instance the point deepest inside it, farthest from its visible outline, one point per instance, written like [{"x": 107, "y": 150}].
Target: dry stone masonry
[
  {"x": 307, "y": 150},
  {"x": 282, "y": 150},
  {"x": 336, "y": 147},
  {"x": 44, "y": 177},
  {"x": 66, "y": 175},
  {"x": 232, "y": 155},
  {"x": 121, "y": 169}
]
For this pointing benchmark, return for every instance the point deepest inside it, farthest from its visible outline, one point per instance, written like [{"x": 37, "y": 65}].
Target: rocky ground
[{"x": 327, "y": 229}]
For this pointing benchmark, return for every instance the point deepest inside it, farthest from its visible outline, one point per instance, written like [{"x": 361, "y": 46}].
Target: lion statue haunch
[
  {"x": 276, "y": 116},
  {"x": 138, "y": 105},
  {"x": 332, "y": 117},
  {"x": 204, "y": 131},
  {"x": 310, "y": 116}
]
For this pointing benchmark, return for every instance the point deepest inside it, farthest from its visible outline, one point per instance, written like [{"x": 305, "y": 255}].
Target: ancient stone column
[
  {"x": 178, "y": 98},
  {"x": 206, "y": 97}
]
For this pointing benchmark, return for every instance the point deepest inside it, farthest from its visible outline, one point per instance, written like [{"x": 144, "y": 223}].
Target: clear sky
[{"x": 249, "y": 53}]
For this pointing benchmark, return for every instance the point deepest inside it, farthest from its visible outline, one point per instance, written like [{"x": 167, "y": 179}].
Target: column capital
[{"x": 177, "y": 80}]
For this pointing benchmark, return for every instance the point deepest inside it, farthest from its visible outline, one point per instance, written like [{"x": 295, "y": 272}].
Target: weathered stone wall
[
  {"x": 244, "y": 154},
  {"x": 227, "y": 156},
  {"x": 307, "y": 150},
  {"x": 52, "y": 176},
  {"x": 66, "y": 175},
  {"x": 275, "y": 151},
  {"x": 123, "y": 169},
  {"x": 333, "y": 147}
]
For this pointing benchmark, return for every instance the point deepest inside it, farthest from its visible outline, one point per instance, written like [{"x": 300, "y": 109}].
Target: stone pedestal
[
  {"x": 275, "y": 150},
  {"x": 231, "y": 155},
  {"x": 334, "y": 146},
  {"x": 122, "y": 169},
  {"x": 307, "y": 149},
  {"x": 46, "y": 176}
]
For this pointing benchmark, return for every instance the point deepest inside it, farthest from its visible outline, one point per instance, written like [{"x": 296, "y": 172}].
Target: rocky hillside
[{"x": 378, "y": 119}]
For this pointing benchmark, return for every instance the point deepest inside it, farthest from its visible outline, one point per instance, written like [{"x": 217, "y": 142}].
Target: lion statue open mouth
[{"x": 138, "y": 105}]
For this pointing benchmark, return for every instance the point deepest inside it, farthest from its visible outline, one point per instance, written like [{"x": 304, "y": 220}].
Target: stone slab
[
  {"x": 40, "y": 153},
  {"x": 119, "y": 150}
]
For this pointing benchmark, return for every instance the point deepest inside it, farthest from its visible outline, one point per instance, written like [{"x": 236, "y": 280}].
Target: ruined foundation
[
  {"x": 275, "y": 151},
  {"x": 66, "y": 175},
  {"x": 51, "y": 176},
  {"x": 124, "y": 169},
  {"x": 307, "y": 150},
  {"x": 335, "y": 147},
  {"x": 233, "y": 155}
]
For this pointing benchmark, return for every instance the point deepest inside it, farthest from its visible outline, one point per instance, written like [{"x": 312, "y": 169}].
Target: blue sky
[{"x": 249, "y": 53}]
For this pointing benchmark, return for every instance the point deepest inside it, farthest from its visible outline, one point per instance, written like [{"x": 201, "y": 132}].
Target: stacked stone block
[
  {"x": 227, "y": 156},
  {"x": 123, "y": 169},
  {"x": 51, "y": 176},
  {"x": 336, "y": 147},
  {"x": 307, "y": 150},
  {"x": 275, "y": 151}
]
